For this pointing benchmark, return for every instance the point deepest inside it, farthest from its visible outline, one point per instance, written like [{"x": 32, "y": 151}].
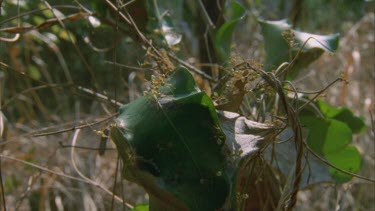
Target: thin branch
[
  {"x": 191, "y": 67},
  {"x": 45, "y": 169},
  {"x": 75, "y": 127},
  {"x": 372, "y": 125},
  {"x": 127, "y": 66},
  {"x": 127, "y": 3},
  {"x": 93, "y": 183},
  {"x": 74, "y": 140},
  {"x": 23, "y": 74},
  {"x": 83, "y": 147},
  {"x": 114, "y": 183},
  {"x": 103, "y": 97},
  {"x": 83, "y": 59},
  {"x": 291, "y": 114},
  {"x": 32, "y": 12},
  {"x": 13, "y": 39},
  {"x": 303, "y": 46},
  {"x": 205, "y": 14},
  {"x": 335, "y": 167},
  {"x": 14, "y": 97},
  {"x": 319, "y": 93},
  {"x": 88, "y": 41}
]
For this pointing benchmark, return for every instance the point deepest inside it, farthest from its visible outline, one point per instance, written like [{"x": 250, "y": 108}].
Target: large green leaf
[
  {"x": 348, "y": 159},
  {"x": 275, "y": 45},
  {"x": 315, "y": 171},
  {"x": 172, "y": 146},
  {"x": 326, "y": 135},
  {"x": 223, "y": 36},
  {"x": 331, "y": 138},
  {"x": 342, "y": 114},
  {"x": 282, "y": 44},
  {"x": 283, "y": 157}
]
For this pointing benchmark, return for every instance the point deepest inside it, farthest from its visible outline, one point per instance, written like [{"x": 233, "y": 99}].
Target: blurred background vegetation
[{"x": 59, "y": 58}]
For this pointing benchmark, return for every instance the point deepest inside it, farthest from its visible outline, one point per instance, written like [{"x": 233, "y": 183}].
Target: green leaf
[
  {"x": 328, "y": 43},
  {"x": 235, "y": 11},
  {"x": 172, "y": 146},
  {"x": 282, "y": 43},
  {"x": 34, "y": 72},
  {"x": 223, "y": 36},
  {"x": 283, "y": 157},
  {"x": 141, "y": 207},
  {"x": 326, "y": 135},
  {"x": 347, "y": 159},
  {"x": 331, "y": 139},
  {"x": 275, "y": 45},
  {"x": 326, "y": 109},
  {"x": 356, "y": 124},
  {"x": 182, "y": 84}
]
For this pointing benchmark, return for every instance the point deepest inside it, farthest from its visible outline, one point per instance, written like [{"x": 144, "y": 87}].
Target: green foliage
[
  {"x": 282, "y": 44},
  {"x": 223, "y": 36},
  {"x": 331, "y": 138},
  {"x": 172, "y": 146},
  {"x": 34, "y": 72},
  {"x": 326, "y": 135},
  {"x": 276, "y": 47},
  {"x": 345, "y": 115},
  {"x": 347, "y": 158},
  {"x": 141, "y": 207},
  {"x": 171, "y": 140}
]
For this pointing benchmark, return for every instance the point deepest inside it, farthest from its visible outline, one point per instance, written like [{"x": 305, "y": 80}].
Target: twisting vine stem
[{"x": 293, "y": 122}]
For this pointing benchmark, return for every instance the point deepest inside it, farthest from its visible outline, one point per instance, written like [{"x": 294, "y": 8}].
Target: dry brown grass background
[{"x": 27, "y": 186}]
